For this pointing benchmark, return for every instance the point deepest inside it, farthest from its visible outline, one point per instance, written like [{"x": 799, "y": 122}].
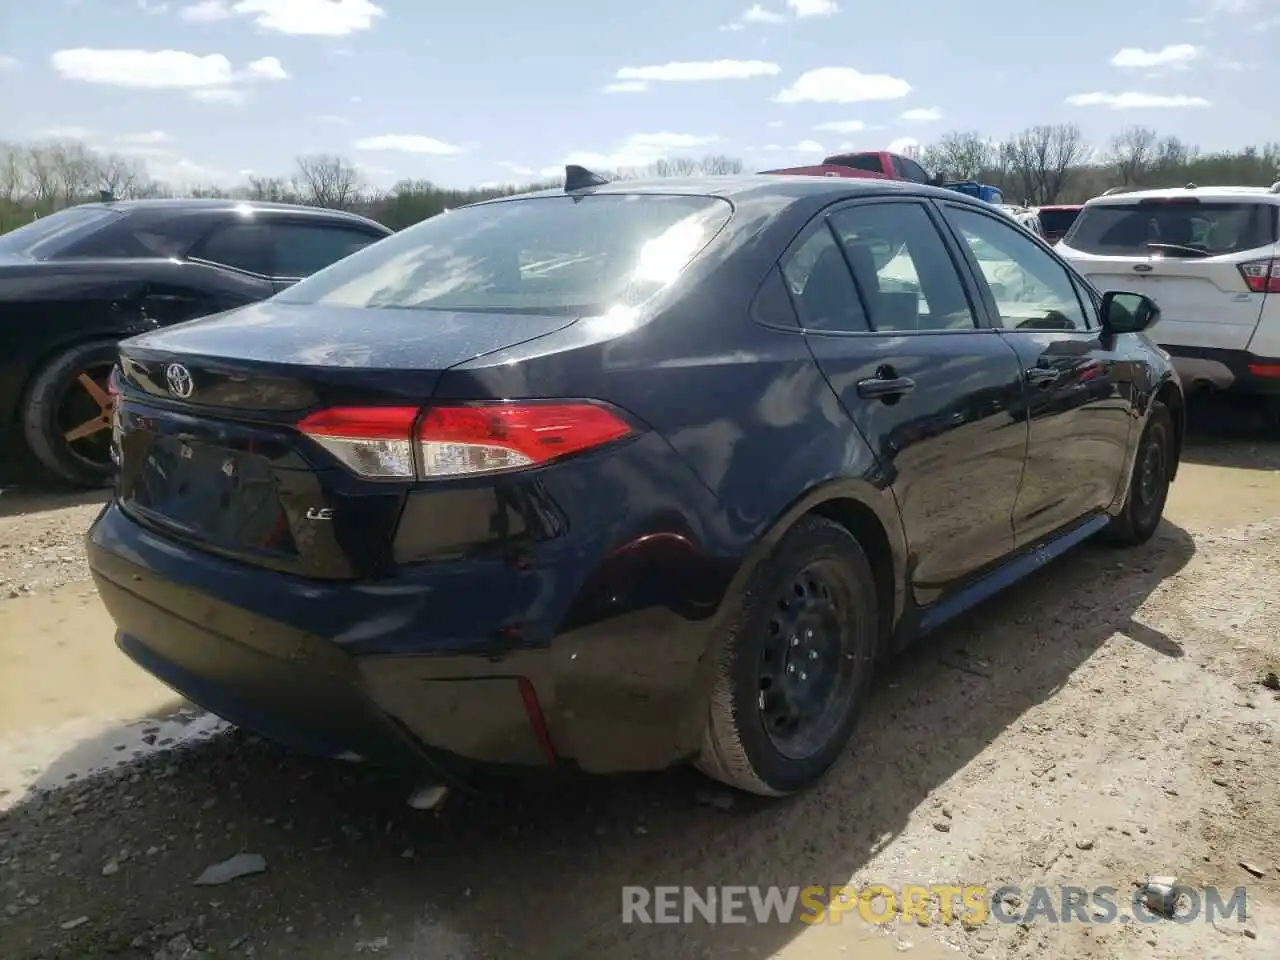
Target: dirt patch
[{"x": 1105, "y": 722}]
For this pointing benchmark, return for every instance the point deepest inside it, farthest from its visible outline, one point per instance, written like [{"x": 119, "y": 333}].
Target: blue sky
[{"x": 502, "y": 90}]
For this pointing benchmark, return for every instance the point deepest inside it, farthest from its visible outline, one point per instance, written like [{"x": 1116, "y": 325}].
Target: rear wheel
[
  {"x": 794, "y": 669},
  {"x": 1149, "y": 486},
  {"x": 66, "y": 418}
]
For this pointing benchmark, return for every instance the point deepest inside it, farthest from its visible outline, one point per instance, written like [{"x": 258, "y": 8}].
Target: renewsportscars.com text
[{"x": 971, "y": 905}]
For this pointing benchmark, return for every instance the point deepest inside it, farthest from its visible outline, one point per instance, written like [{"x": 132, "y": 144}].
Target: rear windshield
[
  {"x": 858, "y": 161},
  {"x": 48, "y": 234},
  {"x": 1057, "y": 221},
  {"x": 1173, "y": 228},
  {"x": 545, "y": 255}
]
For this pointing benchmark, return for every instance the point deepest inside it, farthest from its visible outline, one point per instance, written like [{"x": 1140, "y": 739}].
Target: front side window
[
  {"x": 1031, "y": 289},
  {"x": 561, "y": 255}
]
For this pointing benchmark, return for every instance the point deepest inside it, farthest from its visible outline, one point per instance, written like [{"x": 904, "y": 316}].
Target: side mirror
[{"x": 1128, "y": 312}]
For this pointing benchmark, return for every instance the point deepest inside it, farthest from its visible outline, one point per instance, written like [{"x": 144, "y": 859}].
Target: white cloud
[
  {"x": 1135, "y": 101},
  {"x": 698, "y": 70},
  {"x": 1176, "y": 55},
  {"x": 220, "y": 95},
  {"x": 407, "y": 143},
  {"x": 332, "y": 118},
  {"x": 774, "y": 124},
  {"x": 732, "y": 28},
  {"x": 843, "y": 85},
  {"x": 842, "y": 126},
  {"x": 209, "y": 78},
  {"x": 9, "y": 64},
  {"x": 758, "y": 14},
  {"x": 319, "y": 18},
  {"x": 903, "y": 144},
  {"x": 517, "y": 169},
  {"x": 627, "y": 86},
  {"x": 207, "y": 11},
  {"x": 808, "y": 146},
  {"x": 62, "y": 133},
  {"x": 813, "y": 8},
  {"x": 268, "y": 68},
  {"x": 147, "y": 6},
  {"x": 921, "y": 114},
  {"x": 637, "y": 150},
  {"x": 151, "y": 136}
]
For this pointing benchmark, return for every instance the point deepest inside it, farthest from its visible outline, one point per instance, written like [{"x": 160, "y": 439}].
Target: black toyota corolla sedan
[{"x": 623, "y": 475}]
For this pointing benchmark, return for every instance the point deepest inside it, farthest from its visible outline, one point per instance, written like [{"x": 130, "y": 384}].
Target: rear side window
[
  {"x": 301, "y": 249},
  {"x": 1173, "y": 228},
  {"x": 569, "y": 255},
  {"x": 47, "y": 235}
]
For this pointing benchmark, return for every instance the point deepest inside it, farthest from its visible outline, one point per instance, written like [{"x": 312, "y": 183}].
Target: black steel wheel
[
  {"x": 1149, "y": 485},
  {"x": 793, "y": 670}
]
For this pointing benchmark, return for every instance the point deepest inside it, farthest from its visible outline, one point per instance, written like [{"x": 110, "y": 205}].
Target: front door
[
  {"x": 929, "y": 391},
  {"x": 1079, "y": 389}
]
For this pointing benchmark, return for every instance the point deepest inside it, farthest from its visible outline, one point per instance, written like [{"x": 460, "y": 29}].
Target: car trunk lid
[{"x": 207, "y": 431}]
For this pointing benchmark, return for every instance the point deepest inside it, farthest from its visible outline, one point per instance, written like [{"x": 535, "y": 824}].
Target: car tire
[
  {"x": 812, "y": 601},
  {"x": 56, "y": 386},
  {"x": 1149, "y": 486}
]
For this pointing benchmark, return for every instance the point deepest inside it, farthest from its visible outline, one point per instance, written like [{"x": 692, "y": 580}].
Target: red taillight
[
  {"x": 460, "y": 441},
  {"x": 1265, "y": 369},
  {"x": 1262, "y": 276}
]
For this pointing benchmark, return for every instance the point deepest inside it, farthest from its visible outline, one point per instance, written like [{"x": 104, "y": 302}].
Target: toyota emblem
[{"x": 179, "y": 379}]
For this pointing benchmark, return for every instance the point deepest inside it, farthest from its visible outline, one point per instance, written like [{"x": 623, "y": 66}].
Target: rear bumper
[
  {"x": 616, "y": 695},
  {"x": 1236, "y": 371}
]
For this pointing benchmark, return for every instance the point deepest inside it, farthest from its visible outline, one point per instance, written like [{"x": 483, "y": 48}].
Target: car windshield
[
  {"x": 568, "y": 255},
  {"x": 46, "y": 234},
  {"x": 1143, "y": 228},
  {"x": 1057, "y": 221}
]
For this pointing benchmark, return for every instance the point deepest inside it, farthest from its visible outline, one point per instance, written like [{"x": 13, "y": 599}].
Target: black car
[
  {"x": 74, "y": 283},
  {"x": 621, "y": 476}
]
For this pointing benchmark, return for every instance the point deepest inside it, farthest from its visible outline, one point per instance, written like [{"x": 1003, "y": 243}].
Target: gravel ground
[{"x": 1109, "y": 721}]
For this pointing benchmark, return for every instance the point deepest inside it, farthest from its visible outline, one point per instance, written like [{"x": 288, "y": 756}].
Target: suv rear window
[
  {"x": 47, "y": 235},
  {"x": 869, "y": 162},
  {"x": 558, "y": 255},
  {"x": 1057, "y": 221},
  {"x": 1207, "y": 228}
]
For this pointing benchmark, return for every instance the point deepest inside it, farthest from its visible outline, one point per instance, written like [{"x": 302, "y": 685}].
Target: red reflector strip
[
  {"x": 536, "y": 720},
  {"x": 1265, "y": 369},
  {"x": 361, "y": 423}
]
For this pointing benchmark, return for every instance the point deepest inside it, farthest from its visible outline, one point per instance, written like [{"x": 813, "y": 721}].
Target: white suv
[{"x": 1210, "y": 257}]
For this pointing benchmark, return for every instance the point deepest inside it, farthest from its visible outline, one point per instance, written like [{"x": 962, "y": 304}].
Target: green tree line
[{"x": 1041, "y": 165}]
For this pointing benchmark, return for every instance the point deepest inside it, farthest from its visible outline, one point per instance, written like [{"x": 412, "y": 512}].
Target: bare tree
[
  {"x": 718, "y": 164},
  {"x": 1042, "y": 160},
  {"x": 958, "y": 156},
  {"x": 1133, "y": 154},
  {"x": 12, "y": 172},
  {"x": 121, "y": 177},
  {"x": 275, "y": 189},
  {"x": 75, "y": 170},
  {"x": 326, "y": 180},
  {"x": 42, "y": 173}
]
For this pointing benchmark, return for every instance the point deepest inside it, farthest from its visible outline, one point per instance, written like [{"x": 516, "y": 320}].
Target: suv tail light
[
  {"x": 408, "y": 443},
  {"x": 1262, "y": 276}
]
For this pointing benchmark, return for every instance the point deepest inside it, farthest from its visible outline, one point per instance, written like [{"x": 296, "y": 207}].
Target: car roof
[
  {"x": 749, "y": 186},
  {"x": 1264, "y": 194},
  {"x": 225, "y": 205}
]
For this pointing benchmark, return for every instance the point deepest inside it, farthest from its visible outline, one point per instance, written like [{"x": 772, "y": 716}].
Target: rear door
[
  {"x": 929, "y": 391},
  {"x": 1185, "y": 253},
  {"x": 1079, "y": 408}
]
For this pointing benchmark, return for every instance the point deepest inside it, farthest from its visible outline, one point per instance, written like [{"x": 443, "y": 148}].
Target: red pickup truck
[{"x": 874, "y": 164}]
